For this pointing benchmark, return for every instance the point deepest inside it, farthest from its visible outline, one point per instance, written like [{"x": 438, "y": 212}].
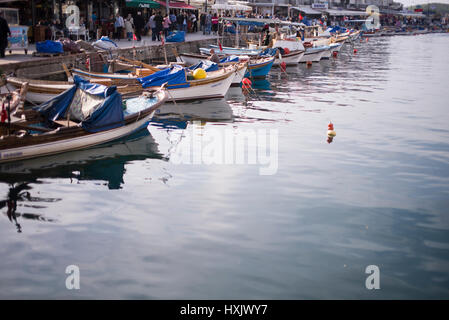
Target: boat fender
[
  {"x": 199, "y": 74},
  {"x": 283, "y": 66}
]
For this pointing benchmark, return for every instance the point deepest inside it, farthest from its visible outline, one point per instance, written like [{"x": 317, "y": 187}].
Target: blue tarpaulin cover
[
  {"x": 175, "y": 77},
  {"x": 206, "y": 65},
  {"x": 229, "y": 59},
  {"x": 108, "y": 114},
  {"x": 178, "y": 36},
  {"x": 269, "y": 52},
  {"x": 48, "y": 46}
]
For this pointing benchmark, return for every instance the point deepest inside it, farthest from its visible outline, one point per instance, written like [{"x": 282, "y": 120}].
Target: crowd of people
[{"x": 134, "y": 26}]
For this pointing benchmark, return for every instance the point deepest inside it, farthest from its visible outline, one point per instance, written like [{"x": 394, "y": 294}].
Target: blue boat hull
[{"x": 259, "y": 71}]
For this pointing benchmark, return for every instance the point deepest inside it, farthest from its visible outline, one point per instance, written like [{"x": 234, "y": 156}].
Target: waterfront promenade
[{"x": 20, "y": 56}]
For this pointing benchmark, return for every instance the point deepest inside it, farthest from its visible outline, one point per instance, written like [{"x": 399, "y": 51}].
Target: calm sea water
[{"x": 139, "y": 225}]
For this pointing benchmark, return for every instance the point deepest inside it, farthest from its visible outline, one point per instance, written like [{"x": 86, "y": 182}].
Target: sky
[{"x": 415, "y": 2}]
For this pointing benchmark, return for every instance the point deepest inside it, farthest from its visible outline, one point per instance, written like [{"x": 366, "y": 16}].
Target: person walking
[
  {"x": 129, "y": 27},
  {"x": 158, "y": 19},
  {"x": 179, "y": 20},
  {"x": 194, "y": 24},
  {"x": 203, "y": 23},
  {"x": 119, "y": 24},
  {"x": 208, "y": 23},
  {"x": 215, "y": 24},
  {"x": 166, "y": 24},
  {"x": 184, "y": 22},
  {"x": 173, "y": 21},
  {"x": 4, "y": 32},
  {"x": 152, "y": 25},
  {"x": 139, "y": 24}
]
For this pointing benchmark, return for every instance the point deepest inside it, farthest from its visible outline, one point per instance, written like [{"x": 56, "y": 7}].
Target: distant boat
[{"x": 83, "y": 116}]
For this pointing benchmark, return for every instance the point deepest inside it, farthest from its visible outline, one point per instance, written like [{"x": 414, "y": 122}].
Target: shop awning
[
  {"x": 142, "y": 4},
  {"x": 307, "y": 10},
  {"x": 412, "y": 14},
  {"x": 177, "y": 5},
  {"x": 345, "y": 13}
]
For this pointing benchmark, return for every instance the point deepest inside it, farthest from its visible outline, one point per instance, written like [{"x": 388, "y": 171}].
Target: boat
[
  {"x": 105, "y": 162},
  {"x": 232, "y": 51},
  {"x": 259, "y": 68},
  {"x": 40, "y": 91},
  {"x": 314, "y": 54},
  {"x": 214, "y": 85},
  {"x": 290, "y": 59},
  {"x": 83, "y": 116},
  {"x": 179, "y": 87},
  {"x": 191, "y": 59}
]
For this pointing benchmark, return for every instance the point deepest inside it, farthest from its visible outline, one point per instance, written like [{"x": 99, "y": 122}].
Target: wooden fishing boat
[
  {"x": 81, "y": 117},
  {"x": 290, "y": 59},
  {"x": 190, "y": 59},
  {"x": 179, "y": 88},
  {"x": 314, "y": 54},
  {"x": 259, "y": 68},
  {"x": 40, "y": 91}
]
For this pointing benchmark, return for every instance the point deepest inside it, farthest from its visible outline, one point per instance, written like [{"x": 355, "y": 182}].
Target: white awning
[
  {"x": 268, "y": 4},
  {"x": 333, "y": 12},
  {"x": 412, "y": 14},
  {"x": 225, "y": 6},
  {"x": 306, "y": 10}
]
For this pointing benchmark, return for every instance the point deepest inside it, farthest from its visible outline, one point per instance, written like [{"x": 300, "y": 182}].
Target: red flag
[
  {"x": 134, "y": 37},
  {"x": 4, "y": 114}
]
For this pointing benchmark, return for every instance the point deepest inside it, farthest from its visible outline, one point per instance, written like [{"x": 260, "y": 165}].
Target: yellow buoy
[{"x": 199, "y": 74}]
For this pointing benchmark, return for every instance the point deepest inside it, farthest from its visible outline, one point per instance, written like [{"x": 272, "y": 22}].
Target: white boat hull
[
  {"x": 38, "y": 97},
  {"x": 289, "y": 60},
  {"x": 238, "y": 77},
  {"x": 327, "y": 54},
  {"x": 216, "y": 89},
  {"x": 314, "y": 57}
]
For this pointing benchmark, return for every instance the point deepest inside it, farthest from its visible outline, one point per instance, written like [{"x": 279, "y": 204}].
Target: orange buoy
[
  {"x": 246, "y": 82},
  {"x": 330, "y": 130},
  {"x": 309, "y": 63}
]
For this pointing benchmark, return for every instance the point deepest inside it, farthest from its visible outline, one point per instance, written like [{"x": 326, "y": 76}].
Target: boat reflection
[
  {"x": 206, "y": 110},
  {"x": 20, "y": 192},
  {"x": 102, "y": 163},
  {"x": 105, "y": 162}
]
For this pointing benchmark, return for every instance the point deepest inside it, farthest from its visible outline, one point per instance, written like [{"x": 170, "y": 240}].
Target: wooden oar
[{"x": 140, "y": 64}]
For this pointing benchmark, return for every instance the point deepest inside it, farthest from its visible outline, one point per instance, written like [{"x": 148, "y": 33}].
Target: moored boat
[
  {"x": 259, "y": 68},
  {"x": 314, "y": 54},
  {"x": 83, "y": 116}
]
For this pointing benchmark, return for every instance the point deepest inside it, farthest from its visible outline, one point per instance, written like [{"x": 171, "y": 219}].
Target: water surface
[{"x": 139, "y": 225}]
